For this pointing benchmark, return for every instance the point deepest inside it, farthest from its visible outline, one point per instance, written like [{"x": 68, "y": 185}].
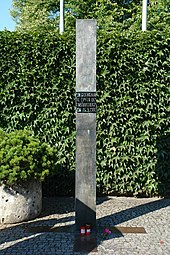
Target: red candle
[
  {"x": 88, "y": 230},
  {"x": 82, "y": 230}
]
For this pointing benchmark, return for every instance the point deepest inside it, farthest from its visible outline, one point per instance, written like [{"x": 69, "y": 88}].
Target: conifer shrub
[{"x": 23, "y": 157}]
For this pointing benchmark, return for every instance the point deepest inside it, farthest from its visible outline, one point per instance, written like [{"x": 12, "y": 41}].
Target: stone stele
[{"x": 85, "y": 123}]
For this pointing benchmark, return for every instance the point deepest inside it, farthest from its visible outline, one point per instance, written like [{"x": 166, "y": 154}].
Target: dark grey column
[{"x": 85, "y": 204}]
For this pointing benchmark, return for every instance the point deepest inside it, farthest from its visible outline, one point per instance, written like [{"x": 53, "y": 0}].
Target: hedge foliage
[
  {"x": 37, "y": 90},
  {"x": 133, "y": 112}
]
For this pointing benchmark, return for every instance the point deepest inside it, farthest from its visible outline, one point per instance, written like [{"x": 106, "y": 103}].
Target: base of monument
[{"x": 85, "y": 243}]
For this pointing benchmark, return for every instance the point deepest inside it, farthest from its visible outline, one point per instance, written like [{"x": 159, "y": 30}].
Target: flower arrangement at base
[{"x": 106, "y": 232}]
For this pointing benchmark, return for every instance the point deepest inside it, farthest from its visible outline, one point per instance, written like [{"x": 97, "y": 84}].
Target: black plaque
[{"x": 86, "y": 102}]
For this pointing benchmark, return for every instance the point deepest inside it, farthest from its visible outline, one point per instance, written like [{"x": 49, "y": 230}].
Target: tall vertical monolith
[{"x": 85, "y": 193}]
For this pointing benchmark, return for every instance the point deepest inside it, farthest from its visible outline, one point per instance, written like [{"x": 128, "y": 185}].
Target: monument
[{"x": 85, "y": 193}]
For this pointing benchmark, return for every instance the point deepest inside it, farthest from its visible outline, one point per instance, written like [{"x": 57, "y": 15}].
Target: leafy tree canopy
[{"x": 110, "y": 14}]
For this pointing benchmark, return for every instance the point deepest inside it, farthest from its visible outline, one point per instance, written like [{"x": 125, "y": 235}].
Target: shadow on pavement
[
  {"x": 46, "y": 226},
  {"x": 61, "y": 205}
]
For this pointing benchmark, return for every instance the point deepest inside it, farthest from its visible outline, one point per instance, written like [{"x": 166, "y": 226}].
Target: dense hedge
[
  {"x": 133, "y": 112},
  {"x": 37, "y": 85},
  {"x": 37, "y": 88}
]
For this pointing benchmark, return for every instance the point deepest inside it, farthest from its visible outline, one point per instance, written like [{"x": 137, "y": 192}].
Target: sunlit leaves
[
  {"x": 37, "y": 90},
  {"x": 133, "y": 113}
]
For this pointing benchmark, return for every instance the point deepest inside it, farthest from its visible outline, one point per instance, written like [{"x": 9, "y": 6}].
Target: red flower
[{"x": 161, "y": 242}]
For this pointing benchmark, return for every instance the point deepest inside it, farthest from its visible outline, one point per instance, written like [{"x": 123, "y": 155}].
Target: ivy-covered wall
[
  {"x": 37, "y": 90},
  {"x": 133, "y": 112}
]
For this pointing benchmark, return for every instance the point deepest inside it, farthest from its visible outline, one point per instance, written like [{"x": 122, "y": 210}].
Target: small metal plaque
[
  {"x": 122, "y": 230},
  {"x": 86, "y": 102}
]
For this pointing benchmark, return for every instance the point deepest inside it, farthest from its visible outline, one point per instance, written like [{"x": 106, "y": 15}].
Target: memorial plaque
[{"x": 86, "y": 102}]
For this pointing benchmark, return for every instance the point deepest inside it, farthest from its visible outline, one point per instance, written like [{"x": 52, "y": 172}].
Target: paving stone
[{"x": 151, "y": 214}]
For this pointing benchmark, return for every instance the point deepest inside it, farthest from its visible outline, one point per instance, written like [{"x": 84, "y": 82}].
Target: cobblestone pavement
[{"x": 153, "y": 214}]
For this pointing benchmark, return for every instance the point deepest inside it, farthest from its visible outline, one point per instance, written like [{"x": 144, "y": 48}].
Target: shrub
[{"x": 23, "y": 157}]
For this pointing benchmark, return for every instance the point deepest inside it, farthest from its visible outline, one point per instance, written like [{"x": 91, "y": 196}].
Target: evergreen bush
[{"x": 23, "y": 157}]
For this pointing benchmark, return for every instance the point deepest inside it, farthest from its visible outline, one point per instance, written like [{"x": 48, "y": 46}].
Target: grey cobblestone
[{"x": 151, "y": 214}]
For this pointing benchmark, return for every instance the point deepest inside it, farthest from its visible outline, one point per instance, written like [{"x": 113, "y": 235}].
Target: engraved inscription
[{"x": 86, "y": 102}]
